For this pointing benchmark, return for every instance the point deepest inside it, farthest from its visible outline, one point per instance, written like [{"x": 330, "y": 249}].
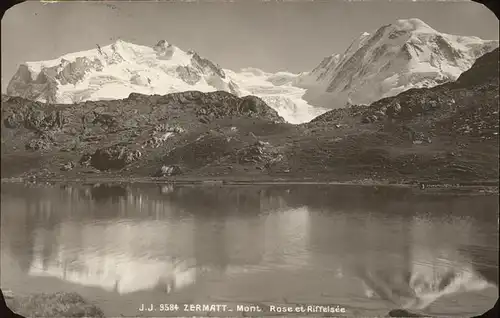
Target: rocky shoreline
[
  {"x": 479, "y": 187},
  {"x": 60, "y": 304}
]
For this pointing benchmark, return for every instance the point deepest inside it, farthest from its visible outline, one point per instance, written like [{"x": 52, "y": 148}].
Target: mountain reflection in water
[{"x": 381, "y": 245}]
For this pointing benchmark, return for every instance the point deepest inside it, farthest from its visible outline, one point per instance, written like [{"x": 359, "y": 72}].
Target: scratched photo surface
[{"x": 249, "y": 158}]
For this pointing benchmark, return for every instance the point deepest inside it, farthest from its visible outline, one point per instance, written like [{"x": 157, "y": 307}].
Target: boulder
[
  {"x": 85, "y": 160},
  {"x": 167, "y": 171},
  {"x": 68, "y": 166},
  {"x": 14, "y": 121},
  {"x": 259, "y": 153},
  {"x": 40, "y": 143}
]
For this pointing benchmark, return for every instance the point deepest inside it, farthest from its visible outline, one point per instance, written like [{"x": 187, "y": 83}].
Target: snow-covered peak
[
  {"x": 116, "y": 70},
  {"x": 394, "y": 58}
]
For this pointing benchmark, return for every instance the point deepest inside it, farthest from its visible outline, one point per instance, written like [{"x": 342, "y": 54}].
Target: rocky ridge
[{"x": 115, "y": 135}]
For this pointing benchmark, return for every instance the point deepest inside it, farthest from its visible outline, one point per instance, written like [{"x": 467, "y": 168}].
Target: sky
[{"x": 272, "y": 35}]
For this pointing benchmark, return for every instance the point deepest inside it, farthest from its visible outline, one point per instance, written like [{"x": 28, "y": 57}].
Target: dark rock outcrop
[
  {"x": 188, "y": 75},
  {"x": 164, "y": 50},
  {"x": 115, "y": 157},
  {"x": 206, "y": 65},
  {"x": 44, "y": 87},
  {"x": 31, "y": 115}
]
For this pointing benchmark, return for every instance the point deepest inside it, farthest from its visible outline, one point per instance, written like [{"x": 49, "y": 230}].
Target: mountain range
[
  {"x": 119, "y": 69},
  {"x": 447, "y": 133},
  {"x": 444, "y": 133},
  {"x": 396, "y": 57}
]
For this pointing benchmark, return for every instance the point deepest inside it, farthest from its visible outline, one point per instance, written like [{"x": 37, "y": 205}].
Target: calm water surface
[{"x": 369, "y": 250}]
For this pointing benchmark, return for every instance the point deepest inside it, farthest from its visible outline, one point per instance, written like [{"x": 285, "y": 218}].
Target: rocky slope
[
  {"x": 396, "y": 57},
  {"x": 446, "y": 133},
  {"x": 136, "y": 134}
]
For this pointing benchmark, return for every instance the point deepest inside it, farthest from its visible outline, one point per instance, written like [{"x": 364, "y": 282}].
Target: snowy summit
[
  {"x": 116, "y": 70},
  {"x": 396, "y": 57}
]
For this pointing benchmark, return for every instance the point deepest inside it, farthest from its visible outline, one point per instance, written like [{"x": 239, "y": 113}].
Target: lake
[{"x": 365, "y": 250}]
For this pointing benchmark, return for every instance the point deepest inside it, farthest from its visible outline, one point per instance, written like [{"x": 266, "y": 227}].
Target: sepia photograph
[{"x": 249, "y": 158}]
